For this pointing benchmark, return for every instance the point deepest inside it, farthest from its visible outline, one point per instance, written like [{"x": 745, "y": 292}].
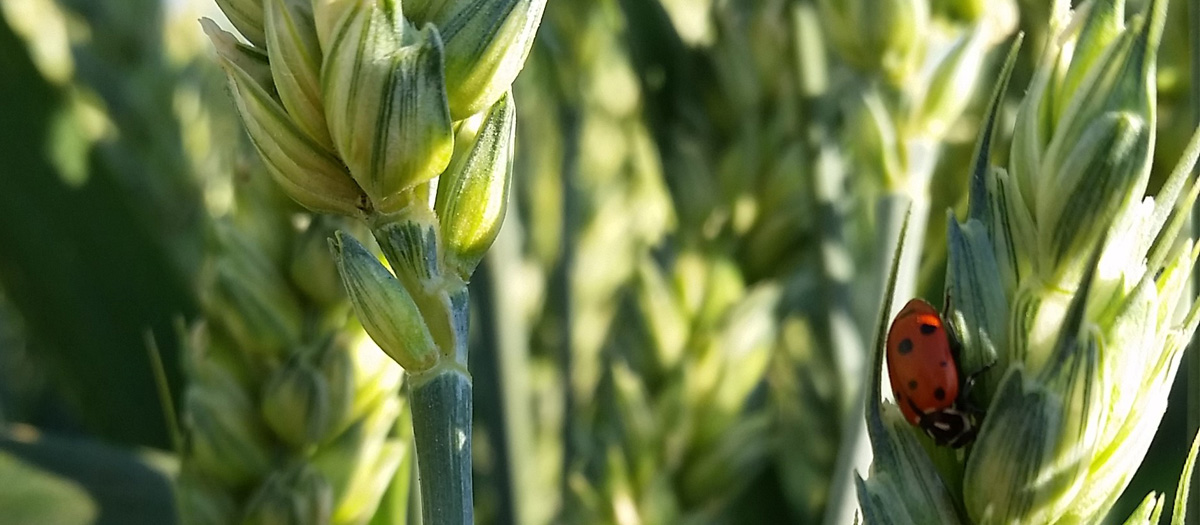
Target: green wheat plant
[
  {"x": 619, "y": 207},
  {"x": 665, "y": 352},
  {"x": 400, "y": 116},
  {"x": 1065, "y": 283},
  {"x": 659, "y": 300},
  {"x": 885, "y": 87},
  {"x": 696, "y": 352},
  {"x": 912, "y": 72}
]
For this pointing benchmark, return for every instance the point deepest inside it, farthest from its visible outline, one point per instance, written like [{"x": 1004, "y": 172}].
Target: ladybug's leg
[
  {"x": 956, "y": 348},
  {"x": 969, "y": 382},
  {"x": 968, "y": 407},
  {"x": 964, "y": 395},
  {"x": 951, "y": 333}
]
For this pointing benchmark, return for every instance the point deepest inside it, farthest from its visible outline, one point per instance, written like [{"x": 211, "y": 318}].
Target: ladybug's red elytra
[{"x": 922, "y": 361}]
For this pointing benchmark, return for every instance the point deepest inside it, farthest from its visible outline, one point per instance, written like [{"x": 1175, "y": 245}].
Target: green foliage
[
  {"x": 97, "y": 261},
  {"x": 73, "y": 481}
]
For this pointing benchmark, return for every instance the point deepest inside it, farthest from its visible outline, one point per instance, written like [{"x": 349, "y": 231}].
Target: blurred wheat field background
[{"x": 708, "y": 209}]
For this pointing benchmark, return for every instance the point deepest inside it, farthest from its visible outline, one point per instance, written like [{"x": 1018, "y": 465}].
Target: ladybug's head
[{"x": 950, "y": 427}]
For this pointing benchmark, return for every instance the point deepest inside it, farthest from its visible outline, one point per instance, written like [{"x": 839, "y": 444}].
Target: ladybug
[{"x": 922, "y": 354}]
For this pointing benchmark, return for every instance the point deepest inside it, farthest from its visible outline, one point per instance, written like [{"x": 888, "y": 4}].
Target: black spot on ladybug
[
  {"x": 906, "y": 345},
  {"x": 940, "y": 393},
  {"x": 927, "y": 329},
  {"x": 912, "y": 384},
  {"x": 945, "y": 364}
]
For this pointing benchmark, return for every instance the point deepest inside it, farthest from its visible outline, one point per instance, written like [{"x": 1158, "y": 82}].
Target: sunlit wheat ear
[
  {"x": 1067, "y": 278},
  {"x": 904, "y": 478},
  {"x": 399, "y": 115},
  {"x": 1093, "y": 342}
]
